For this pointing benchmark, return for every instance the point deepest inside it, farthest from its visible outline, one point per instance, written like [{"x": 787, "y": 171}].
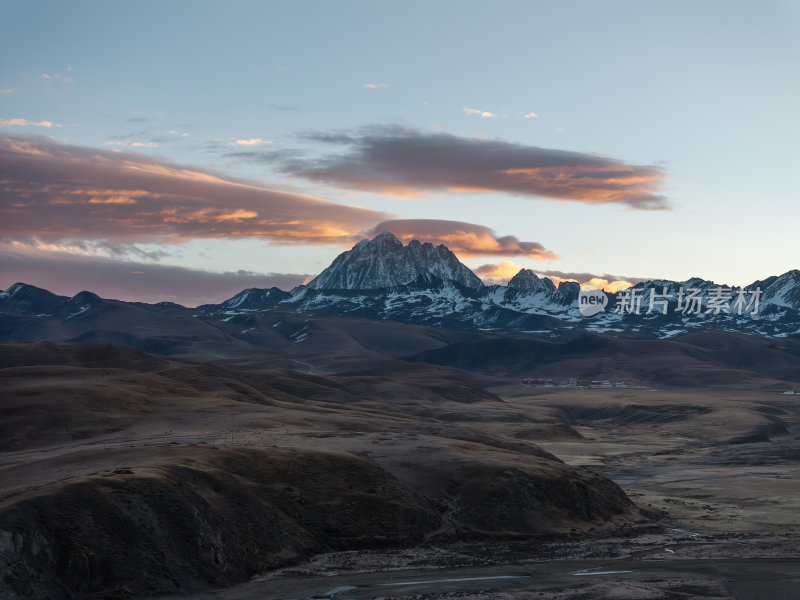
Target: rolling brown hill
[
  {"x": 274, "y": 336},
  {"x": 126, "y": 474}
]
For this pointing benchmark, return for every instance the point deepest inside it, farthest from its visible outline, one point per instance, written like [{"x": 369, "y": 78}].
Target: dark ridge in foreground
[
  {"x": 217, "y": 517},
  {"x": 207, "y": 518}
]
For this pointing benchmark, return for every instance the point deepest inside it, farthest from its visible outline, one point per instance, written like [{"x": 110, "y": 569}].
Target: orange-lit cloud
[
  {"x": 499, "y": 273},
  {"x": 476, "y": 111},
  {"x": 611, "y": 287},
  {"x": 584, "y": 277},
  {"x": 505, "y": 270},
  {"x": 557, "y": 280},
  {"x": 53, "y": 191},
  {"x": 251, "y": 142},
  {"x": 26, "y": 123},
  {"x": 132, "y": 144},
  {"x": 465, "y": 239},
  {"x": 113, "y": 200},
  {"x": 406, "y": 162}
]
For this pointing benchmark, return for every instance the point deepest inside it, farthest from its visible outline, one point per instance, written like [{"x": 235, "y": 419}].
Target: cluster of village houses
[
  {"x": 577, "y": 384},
  {"x": 584, "y": 384}
]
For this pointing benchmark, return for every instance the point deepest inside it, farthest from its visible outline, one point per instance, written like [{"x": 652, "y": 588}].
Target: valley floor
[
  {"x": 575, "y": 579},
  {"x": 720, "y": 469}
]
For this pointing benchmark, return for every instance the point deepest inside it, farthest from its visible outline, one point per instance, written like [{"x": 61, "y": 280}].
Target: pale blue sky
[{"x": 708, "y": 91}]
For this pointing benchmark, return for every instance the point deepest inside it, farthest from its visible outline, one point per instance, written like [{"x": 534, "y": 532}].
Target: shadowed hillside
[{"x": 700, "y": 359}]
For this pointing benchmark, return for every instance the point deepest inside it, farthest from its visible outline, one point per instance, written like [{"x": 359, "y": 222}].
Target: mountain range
[{"x": 421, "y": 284}]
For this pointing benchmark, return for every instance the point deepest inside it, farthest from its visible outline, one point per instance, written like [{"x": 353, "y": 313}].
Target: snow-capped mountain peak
[
  {"x": 384, "y": 262},
  {"x": 14, "y": 289},
  {"x": 31, "y": 298},
  {"x": 527, "y": 281},
  {"x": 425, "y": 284}
]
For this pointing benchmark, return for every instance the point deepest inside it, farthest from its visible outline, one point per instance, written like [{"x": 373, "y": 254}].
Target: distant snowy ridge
[{"x": 424, "y": 284}]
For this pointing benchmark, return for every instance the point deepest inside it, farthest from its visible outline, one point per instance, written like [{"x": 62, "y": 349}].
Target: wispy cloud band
[
  {"x": 405, "y": 162},
  {"x": 57, "y": 191},
  {"x": 51, "y": 191},
  {"x": 67, "y": 274},
  {"x": 26, "y": 123}
]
